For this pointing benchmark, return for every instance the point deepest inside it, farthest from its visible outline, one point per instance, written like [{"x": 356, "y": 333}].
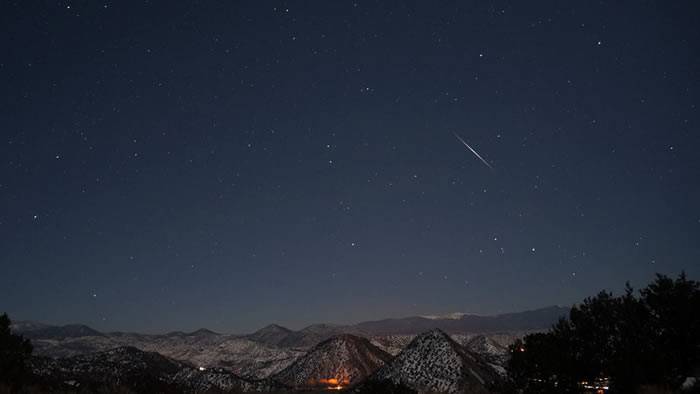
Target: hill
[
  {"x": 433, "y": 362},
  {"x": 340, "y": 361}
]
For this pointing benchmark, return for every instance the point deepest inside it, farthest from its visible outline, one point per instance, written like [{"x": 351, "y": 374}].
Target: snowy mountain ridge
[
  {"x": 433, "y": 362},
  {"x": 449, "y": 316}
]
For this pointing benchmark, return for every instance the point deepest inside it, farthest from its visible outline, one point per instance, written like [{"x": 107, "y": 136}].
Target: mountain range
[
  {"x": 452, "y": 353},
  {"x": 273, "y": 334}
]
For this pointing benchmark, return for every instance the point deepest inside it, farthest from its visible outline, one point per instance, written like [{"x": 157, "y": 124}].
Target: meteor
[{"x": 473, "y": 151}]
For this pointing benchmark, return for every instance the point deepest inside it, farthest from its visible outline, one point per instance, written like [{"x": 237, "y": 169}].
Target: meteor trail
[{"x": 473, "y": 151}]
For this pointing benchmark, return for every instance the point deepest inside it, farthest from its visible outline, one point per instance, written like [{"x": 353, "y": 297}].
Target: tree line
[{"x": 645, "y": 341}]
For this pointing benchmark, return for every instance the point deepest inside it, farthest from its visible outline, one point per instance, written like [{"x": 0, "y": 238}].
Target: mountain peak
[
  {"x": 274, "y": 328},
  {"x": 272, "y": 334},
  {"x": 434, "y": 333},
  {"x": 203, "y": 332},
  {"x": 433, "y": 362},
  {"x": 339, "y": 361}
]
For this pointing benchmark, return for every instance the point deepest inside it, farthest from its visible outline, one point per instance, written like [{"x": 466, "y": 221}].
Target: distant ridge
[
  {"x": 452, "y": 316},
  {"x": 315, "y": 333},
  {"x": 276, "y": 335},
  {"x": 537, "y": 319},
  {"x": 33, "y": 330}
]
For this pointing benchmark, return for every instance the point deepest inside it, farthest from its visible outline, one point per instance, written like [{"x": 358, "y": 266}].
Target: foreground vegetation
[{"x": 636, "y": 342}]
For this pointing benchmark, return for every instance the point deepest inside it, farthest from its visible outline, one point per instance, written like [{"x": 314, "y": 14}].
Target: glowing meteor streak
[{"x": 473, "y": 151}]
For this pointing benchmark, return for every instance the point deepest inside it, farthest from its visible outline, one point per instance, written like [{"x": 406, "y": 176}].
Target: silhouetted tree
[
  {"x": 15, "y": 352},
  {"x": 647, "y": 340},
  {"x": 633, "y": 352},
  {"x": 674, "y": 320}
]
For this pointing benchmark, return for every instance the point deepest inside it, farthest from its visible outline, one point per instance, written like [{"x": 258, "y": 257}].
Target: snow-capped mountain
[
  {"x": 433, "y": 362},
  {"x": 340, "y": 361}
]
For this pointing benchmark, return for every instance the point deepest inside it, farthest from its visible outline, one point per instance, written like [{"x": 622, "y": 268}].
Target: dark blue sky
[{"x": 172, "y": 165}]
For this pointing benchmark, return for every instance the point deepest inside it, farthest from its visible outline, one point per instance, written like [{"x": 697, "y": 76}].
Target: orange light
[{"x": 331, "y": 383}]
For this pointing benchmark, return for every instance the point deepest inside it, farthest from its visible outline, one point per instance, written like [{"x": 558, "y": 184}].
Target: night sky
[{"x": 173, "y": 165}]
